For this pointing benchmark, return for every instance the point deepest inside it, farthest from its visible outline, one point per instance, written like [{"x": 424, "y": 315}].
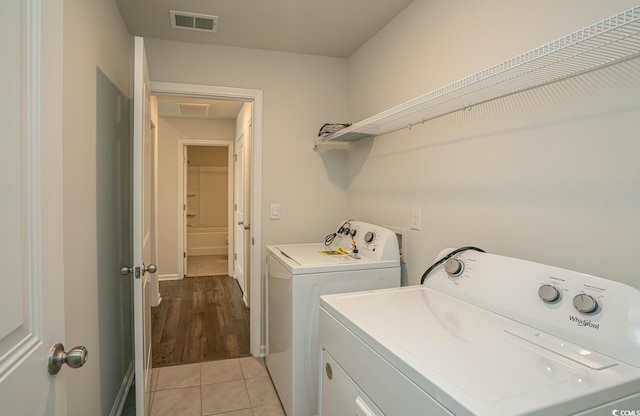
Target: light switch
[
  {"x": 275, "y": 211},
  {"x": 416, "y": 219}
]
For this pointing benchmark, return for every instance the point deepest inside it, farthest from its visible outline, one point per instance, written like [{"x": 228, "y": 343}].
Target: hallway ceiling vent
[
  {"x": 193, "y": 21},
  {"x": 192, "y": 110}
]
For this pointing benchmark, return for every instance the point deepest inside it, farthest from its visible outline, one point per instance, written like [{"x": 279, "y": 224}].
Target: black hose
[{"x": 445, "y": 258}]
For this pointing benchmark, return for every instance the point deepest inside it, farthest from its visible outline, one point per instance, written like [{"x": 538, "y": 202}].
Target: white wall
[
  {"x": 95, "y": 38},
  {"x": 170, "y": 130},
  {"x": 301, "y": 92},
  {"x": 550, "y": 175}
]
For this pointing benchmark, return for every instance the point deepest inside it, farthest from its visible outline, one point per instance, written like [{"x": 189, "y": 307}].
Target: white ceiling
[
  {"x": 215, "y": 109},
  {"x": 334, "y": 28},
  {"x": 318, "y": 27}
]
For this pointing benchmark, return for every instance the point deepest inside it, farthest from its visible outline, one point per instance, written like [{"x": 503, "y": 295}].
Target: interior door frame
[
  {"x": 182, "y": 144},
  {"x": 254, "y": 96}
]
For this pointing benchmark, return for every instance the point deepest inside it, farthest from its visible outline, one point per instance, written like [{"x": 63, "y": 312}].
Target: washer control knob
[
  {"x": 585, "y": 303},
  {"x": 453, "y": 267},
  {"x": 549, "y": 294},
  {"x": 369, "y": 237}
]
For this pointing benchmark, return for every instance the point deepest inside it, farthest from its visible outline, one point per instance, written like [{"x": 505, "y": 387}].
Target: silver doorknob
[
  {"x": 152, "y": 268},
  {"x": 125, "y": 270},
  {"x": 75, "y": 358}
]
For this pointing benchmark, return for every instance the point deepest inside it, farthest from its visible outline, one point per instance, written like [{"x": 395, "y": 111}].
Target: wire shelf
[{"x": 603, "y": 43}]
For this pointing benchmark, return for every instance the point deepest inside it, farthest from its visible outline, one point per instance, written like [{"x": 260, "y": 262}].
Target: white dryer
[
  {"x": 486, "y": 335},
  {"x": 358, "y": 257}
]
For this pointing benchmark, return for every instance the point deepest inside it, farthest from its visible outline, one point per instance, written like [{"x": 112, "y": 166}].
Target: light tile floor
[{"x": 235, "y": 387}]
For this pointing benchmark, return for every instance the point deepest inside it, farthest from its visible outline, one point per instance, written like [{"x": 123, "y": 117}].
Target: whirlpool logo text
[{"x": 586, "y": 322}]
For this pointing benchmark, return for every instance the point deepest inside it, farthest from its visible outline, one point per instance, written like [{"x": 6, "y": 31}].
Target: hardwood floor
[{"x": 199, "y": 319}]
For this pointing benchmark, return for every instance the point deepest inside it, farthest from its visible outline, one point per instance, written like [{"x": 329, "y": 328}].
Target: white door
[
  {"x": 238, "y": 212},
  {"x": 143, "y": 226},
  {"x": 247, "y": 212},
  {"x": 31, "y": 244},
  {"x": 185, "y": 204}
]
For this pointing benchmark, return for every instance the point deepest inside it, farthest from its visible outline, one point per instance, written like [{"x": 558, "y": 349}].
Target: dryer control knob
[
  {"x": 453, "y": 267},
  {"x": 369, "y": 237},
  {"x": 585, "y": 303},
  {"x": 549, "y": 294}
]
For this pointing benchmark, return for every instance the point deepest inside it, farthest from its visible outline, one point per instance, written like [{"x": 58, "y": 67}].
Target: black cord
[
  {"x": 445, "y": 258},
  {"x": 344, "y": 229},
  {"x": 329, "y": 239}
]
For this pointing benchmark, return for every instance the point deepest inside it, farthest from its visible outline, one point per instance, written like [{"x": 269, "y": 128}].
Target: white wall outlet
[
  {"x": 401, "y": 233},
  {"x": 416, "y": 219},
  {"x": 275, "y": 211}
]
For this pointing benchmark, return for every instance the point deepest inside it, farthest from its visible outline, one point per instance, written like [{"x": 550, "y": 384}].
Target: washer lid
[
  {"x": 478, "y": 362},
  {"x": 316, "y": 258}
]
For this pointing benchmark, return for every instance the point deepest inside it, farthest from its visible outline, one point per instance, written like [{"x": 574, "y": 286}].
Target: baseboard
[
  {"x": 121, "y": 398},
  {"x": 169, "y": 277}
]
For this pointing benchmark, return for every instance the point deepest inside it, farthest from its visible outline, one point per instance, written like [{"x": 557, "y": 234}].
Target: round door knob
[
  {"x": 125, "y": 270},
  {"x": 75, "y": 358},
  {"x": 549, "y": 293},
  {"x": 453, "y": 267},
  {"x": 152, "y": 268},
  {"x": 585, "y": 303}
]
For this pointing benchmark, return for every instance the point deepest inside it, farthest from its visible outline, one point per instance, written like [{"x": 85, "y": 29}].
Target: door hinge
[
  {"x": 184, "y": 207},
  {"x": 235, "y": 256},
  {"x": 235, "y": 207},
  {"x": 184, "y": 254},
  {"x": 253, "y": 241},
  {"x": 137, "y": 273},
  {"x": 235, "y": 157}
]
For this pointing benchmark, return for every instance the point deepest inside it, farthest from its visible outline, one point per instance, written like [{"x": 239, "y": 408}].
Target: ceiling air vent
[
  {"x": 194, "y": 110},
  {"x": 193, "y": 21}
]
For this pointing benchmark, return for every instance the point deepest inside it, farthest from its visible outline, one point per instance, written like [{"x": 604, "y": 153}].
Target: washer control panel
[
  {"x": 584, "y": 303},
  {"x": 580, "y": 308}
]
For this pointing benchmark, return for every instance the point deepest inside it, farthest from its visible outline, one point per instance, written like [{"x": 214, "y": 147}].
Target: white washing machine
[
  {"x": 358, "y": 257},
  {"x": 494, "y": 336}
]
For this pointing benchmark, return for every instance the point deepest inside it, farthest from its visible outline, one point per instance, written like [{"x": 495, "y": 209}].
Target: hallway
[
  {"x": 200, "y": 349},
  {"x": 200, "y": 318}
]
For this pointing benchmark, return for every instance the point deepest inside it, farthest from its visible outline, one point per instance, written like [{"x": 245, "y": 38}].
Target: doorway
[
  {"x": 197, "y": 209},
  {"x": 255, "y": 287},
  {"x": 205, "y": 194}
]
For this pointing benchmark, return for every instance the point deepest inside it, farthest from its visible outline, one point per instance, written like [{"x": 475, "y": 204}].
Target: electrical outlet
[{"x": 416, "y": 219}]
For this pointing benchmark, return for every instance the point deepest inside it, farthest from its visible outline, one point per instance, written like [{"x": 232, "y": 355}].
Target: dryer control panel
[{"x": 368, "y": 240}]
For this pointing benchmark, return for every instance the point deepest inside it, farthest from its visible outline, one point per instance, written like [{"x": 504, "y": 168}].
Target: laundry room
[
  {"x": 548, "y": 174},
  {"x": 538, "y": 165},
  {"x": 544, "y": 172}
]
